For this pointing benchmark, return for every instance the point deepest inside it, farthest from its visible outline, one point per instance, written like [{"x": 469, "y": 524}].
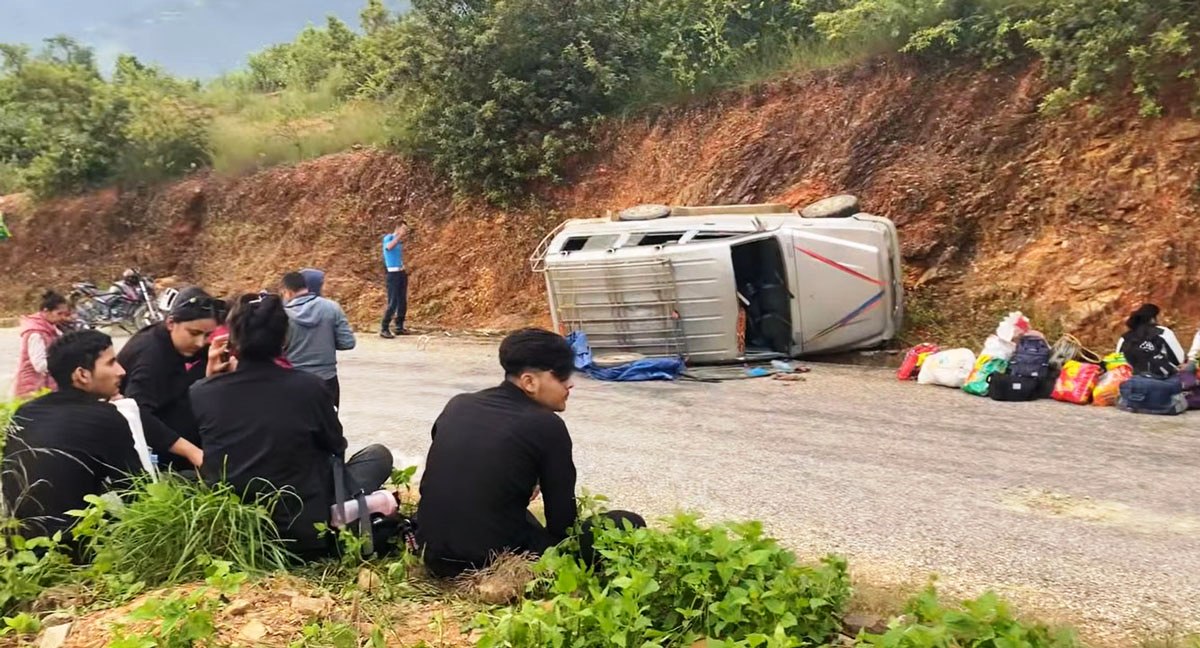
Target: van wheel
[
  {"x": 835, "y": 207},
  {"x": 644, "y": 212}
]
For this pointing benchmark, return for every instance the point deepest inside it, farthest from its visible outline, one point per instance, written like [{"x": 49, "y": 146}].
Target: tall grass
[
  {"x": 240, "y": 143},
  {"x": 170, "y": 531}
]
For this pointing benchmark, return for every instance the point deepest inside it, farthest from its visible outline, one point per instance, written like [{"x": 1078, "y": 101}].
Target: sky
[{"x": 191, "y": 38}]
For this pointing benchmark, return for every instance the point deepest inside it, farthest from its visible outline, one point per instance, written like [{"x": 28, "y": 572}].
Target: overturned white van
[{"x": 726, "y": 283}]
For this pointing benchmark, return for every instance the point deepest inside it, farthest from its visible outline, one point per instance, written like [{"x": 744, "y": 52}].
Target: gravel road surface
[{"x": 1080, "y": 514}]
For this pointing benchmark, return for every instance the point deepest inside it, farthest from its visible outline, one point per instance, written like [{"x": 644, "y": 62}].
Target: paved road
[{"x": 1079, "y": 513}]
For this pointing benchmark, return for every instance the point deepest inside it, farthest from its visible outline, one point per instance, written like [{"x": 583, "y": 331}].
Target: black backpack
[
  {"x": 1031, "y": 360},
  {"x": 1147, "y": 352}
]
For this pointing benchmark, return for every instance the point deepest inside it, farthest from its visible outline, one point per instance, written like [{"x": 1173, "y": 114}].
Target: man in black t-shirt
[
  {"x": 71, "y": 443},
  {"x": 492, "y": 451}
]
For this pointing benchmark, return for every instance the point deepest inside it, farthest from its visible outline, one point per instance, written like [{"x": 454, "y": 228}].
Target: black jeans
[
  {"x": 539, "y": 541},
  {"x": 397, "y": 300},
  {"x": 335, "y": 390}
]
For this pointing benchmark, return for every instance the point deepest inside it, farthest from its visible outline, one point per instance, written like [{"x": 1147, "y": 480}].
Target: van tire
[
  {"x": 644, "y": 213},
  {"x": 834, "y": 207}
]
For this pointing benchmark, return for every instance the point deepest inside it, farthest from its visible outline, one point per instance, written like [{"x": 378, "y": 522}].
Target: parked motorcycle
[{"x": 130, "y": 304}]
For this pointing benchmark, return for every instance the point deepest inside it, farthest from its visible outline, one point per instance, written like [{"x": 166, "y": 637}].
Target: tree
[{"x": 375, "y": 17}]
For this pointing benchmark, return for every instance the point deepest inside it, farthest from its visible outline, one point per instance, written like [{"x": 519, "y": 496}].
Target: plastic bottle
[
  {"x": 780, "y": 365},
  {"x": 381, "y": 501}
]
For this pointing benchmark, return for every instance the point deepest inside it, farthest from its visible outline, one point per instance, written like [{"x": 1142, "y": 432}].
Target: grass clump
[{"x": 172, "y": 530}]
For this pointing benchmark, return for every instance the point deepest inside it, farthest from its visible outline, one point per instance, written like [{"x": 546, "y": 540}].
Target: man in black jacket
[
  {"x": 492, "y": 451},
  {"x": 70, "y": 443}
]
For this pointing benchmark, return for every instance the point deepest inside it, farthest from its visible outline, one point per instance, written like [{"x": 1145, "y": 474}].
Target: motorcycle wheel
[{"x": 140, "y": 319}]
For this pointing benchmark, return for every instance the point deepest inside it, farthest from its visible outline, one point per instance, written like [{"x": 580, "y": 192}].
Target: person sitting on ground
[
  {"x": 38, "y": 331},
  {"x": 492, "y": 451},
  {"x": 71, "y": 443},
  {"x": 1151, "y": 350},
  {"x": 222, "y": 333},
  {"x": 318, "y": 330},
  {"x": 1194, "y": 352},
  {"x": 162, "y": 361},
  {"x": 264, "y": 427}
]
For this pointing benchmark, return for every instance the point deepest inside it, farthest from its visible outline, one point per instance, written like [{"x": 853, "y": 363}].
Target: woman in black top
[
  {"x": 265, "y": 427},
  {"x": 162, "y": 361},
  {"x": 1151, "y": 349}
]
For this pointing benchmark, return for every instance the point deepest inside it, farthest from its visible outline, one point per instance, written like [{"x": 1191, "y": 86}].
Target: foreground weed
[
  {"x": 28, "y": 566},
  {"x": 331, "y": 634},
  {"x": 170, "y": 531},
  {"x": 726, "y": 583},
  {"x": 182, "y": 621},
  {"x": 21, "y": 624},
  {"x": 985, "y": 622}
]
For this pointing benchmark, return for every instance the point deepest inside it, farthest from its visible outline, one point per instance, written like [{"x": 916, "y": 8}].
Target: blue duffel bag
[{"x": 1145, "y": 395}]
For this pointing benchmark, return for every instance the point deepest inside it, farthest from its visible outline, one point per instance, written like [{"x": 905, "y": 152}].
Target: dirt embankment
[{"x": 1075, "y": 218}]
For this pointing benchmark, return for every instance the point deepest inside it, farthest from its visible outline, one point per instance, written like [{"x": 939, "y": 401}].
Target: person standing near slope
[{"x": 397, "y": 281}]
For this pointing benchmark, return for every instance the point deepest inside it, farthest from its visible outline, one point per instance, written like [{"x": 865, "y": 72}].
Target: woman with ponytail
[
  {"x": 37, "y": 332},
  {"x": 264, "y": 427}
]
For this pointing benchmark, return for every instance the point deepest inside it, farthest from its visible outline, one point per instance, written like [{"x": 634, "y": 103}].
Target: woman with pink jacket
[{"x": 37, "y": 332}]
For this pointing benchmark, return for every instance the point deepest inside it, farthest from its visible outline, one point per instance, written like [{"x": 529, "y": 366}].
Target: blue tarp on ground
[{"x": 637, "y": 371}]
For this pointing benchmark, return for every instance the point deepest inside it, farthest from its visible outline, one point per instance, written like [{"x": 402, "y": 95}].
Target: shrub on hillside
[{"x": 1090, "y": 47}]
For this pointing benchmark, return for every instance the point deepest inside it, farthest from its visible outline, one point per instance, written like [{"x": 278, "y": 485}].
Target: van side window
[{"x": 655, "y": 238}]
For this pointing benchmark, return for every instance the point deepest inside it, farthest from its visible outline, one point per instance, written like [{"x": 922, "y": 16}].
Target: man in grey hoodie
[{"x": 317, "y": 330}]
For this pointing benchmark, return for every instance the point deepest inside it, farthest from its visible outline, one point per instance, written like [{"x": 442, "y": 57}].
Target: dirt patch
[
  {"x": 276, "y": 612},
  {"x": 1086, "y": 509},
  {"x": 1077, "y": 218}
]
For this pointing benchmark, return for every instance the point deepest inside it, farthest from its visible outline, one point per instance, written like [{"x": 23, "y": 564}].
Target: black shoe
[
  {"x": 386, "y": 334},
  {"x": 403, "y": 332}
]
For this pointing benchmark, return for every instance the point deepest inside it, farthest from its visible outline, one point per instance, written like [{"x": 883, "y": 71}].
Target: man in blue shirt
[{"x": 397, "y": 281}]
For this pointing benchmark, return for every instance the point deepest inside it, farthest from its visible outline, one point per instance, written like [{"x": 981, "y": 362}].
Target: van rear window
[{"x": 714, "y": 236}]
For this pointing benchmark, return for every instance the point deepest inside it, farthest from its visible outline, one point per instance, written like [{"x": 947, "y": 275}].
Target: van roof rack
[{"x": 733, "y": 210}]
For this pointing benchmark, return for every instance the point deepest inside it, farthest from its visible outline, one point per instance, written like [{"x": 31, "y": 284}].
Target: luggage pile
[{"x": 1018, "y": 364}]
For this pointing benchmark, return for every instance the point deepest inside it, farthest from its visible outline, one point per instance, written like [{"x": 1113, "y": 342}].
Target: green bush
[
  {"x": 1091, "y": 48},
  {"x": 173, "y": 530},
  {"x": 27, "y": 566},
  {"x": 986, "y": 622},
  {"x": 727, "y": 583}
]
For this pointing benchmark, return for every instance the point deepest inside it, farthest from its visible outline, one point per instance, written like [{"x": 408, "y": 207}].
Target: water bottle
[
  {"x": 381, "y": 501},
  {"x": 780, "y": 365}
]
